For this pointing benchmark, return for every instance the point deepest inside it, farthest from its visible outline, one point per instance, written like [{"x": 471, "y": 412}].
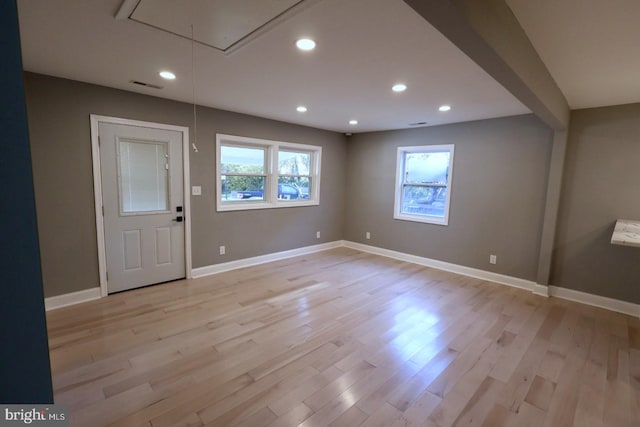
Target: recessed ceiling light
[
  {"x": 444, "y": 108},
  {"x": 167, "y": 75},
  {"x": 306, "y": 44},
  {"x": 301, "y": 109},
  {"x": 353, "y": 122},
  {"x": 400, "y": 87}
]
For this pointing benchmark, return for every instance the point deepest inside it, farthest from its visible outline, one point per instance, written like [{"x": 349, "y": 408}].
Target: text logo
[{"x": 38, "y": 415}]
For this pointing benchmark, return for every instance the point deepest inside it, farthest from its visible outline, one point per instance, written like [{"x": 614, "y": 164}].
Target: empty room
[{"x": 321, "y": 212}]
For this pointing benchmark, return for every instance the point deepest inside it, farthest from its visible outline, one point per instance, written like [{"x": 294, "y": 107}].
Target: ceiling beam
[
  {"x": 488, "y": 32},
  {"x": 126, "y": 9}
]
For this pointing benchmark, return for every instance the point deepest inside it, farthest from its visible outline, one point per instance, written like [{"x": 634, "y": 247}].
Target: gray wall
[
  {"x": 499, "y": 185},
  {"x": 58, "y": 112},
  {"x": 498, "y": 193},
  {"x": 601, "y": 184}
]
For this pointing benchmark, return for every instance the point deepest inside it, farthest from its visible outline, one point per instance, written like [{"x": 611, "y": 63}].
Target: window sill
[
  {"x": 248, "y": 206},
  {"x": 422, "y": 218}
]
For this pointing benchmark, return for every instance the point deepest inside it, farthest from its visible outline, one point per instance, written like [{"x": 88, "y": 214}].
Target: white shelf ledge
[{"x": 626, "y": 233}]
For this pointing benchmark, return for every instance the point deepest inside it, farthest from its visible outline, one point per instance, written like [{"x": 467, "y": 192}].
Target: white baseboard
[
  {"x": 596, "y": 300},
  {"x": 546, "y": 291},
  {"x": 454, "y": 268},
  {"x": 554, "y": 291},
  {"x": 64, "y": 300},
  {"x": 541, "y": 290},
  {"x": 248, "y": 262}
]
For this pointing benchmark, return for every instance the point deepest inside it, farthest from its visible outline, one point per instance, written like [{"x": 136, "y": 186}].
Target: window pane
[
  {"x": 293, "y": 187},
  {"x": 242, "y": 160},
  {"x": 427, "y": 167},
  {"x": 253, "y": 173},
  {"x": 294, "y": 163},
  {"x": 242, "y": 188},
  {"x": 143, "y": 176},
  {"x": 421, "y": 200}
]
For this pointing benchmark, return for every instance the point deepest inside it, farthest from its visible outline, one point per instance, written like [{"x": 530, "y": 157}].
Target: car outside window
[
  {"x": 243, "y": 173},
  {"x": 423, "y": 183},
  {"x": 294, "y": 174},
  {"x": 258, "y": 174}
]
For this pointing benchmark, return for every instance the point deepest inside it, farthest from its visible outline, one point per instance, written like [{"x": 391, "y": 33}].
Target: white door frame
[{"x": 97, "y": 188}]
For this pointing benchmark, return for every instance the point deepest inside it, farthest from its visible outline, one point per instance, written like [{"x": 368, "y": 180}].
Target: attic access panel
[{"x": 221, "y": 24}]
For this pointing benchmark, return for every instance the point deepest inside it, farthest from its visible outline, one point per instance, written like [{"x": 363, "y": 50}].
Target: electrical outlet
[
  {"x": 493, "y": 259},
  {"x": 317, "y": 234},
  {"x": 367, "y": 235},
  {"x": 223, "y": 250}
]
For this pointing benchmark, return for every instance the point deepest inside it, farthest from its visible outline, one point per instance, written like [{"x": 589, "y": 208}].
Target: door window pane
[{"x": 144, "y": 174}]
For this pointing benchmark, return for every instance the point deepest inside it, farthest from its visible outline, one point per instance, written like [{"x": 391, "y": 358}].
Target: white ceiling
[
  {"x": 217, "y": 23},
  {"x": 363, "y": 48},
  {"x": 591, "y": 47}
]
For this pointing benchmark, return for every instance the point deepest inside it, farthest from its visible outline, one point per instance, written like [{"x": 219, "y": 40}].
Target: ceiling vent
[
  {"x": 225, "y": 25},
  {"x": 136, "y": 82}
]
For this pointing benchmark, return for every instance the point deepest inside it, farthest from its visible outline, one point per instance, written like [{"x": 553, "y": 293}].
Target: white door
[{"x": 142, "y": 191}]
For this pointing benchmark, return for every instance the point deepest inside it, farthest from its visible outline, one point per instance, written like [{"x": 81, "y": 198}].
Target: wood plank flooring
[{"x": 343, "y": 338}]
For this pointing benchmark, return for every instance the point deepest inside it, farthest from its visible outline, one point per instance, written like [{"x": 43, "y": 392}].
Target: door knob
[{"x": 177, "y": 219}]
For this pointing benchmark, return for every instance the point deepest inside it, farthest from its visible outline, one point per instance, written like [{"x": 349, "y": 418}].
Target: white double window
[
  {"x": 260, "y": 174},
  {"x": 423, "y": 183}
]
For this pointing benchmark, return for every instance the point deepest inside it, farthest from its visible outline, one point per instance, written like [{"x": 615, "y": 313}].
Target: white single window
[
  {"x": 259, "y": 174},
  {"x": 423, "y": 183}
]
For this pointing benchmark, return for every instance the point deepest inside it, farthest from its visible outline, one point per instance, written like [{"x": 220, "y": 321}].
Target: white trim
[
  {"x": 65, "y": 300},
  {"x": 97, "y": 191},
  {"x": 545, "y": 291},
  {"x": 186, "y": 180},
  {"x": 541, "y": 290},
  {"x": 248, "y": 262},
  {"x": 446, "y": 266},
  {"x": 596, "y": 300},
  {"x": 97, "y": 188}
]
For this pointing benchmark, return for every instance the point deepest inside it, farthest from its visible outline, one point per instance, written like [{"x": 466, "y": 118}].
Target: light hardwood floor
[{"x": 343, "y": 338}]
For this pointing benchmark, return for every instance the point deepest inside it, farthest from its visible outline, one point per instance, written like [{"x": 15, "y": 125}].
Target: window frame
[
  {"x": 278, "y": 175},
  {"x": 272, "y": 149},
  {"x": 400, "y": 183}
]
